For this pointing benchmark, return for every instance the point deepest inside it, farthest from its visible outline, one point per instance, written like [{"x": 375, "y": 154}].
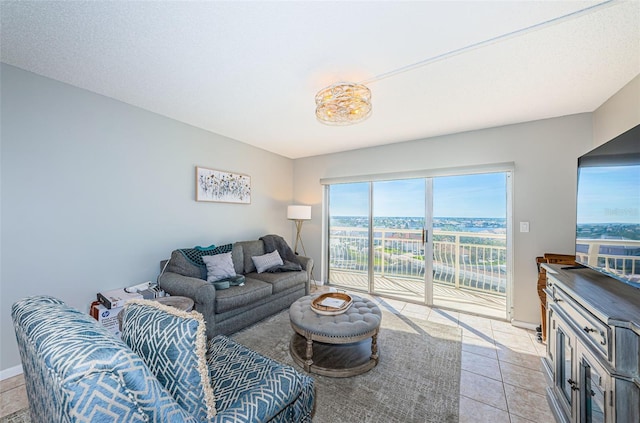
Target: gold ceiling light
[{"x": 343, "y": 103}]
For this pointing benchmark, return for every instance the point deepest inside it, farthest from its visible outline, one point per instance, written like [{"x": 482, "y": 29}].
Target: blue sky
[
  {"x": 609, "y": 194},
  {"x": 481, "y": 195}
]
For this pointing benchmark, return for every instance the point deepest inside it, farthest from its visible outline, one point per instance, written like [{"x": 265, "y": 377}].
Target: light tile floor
[{"x": 501, "y": 378}]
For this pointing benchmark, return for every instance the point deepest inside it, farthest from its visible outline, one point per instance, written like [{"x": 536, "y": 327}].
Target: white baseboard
[
  {"x": 11, "y": 372},
  {"x": 524, "y": 325},
  {"x": 318, "y": 283}
]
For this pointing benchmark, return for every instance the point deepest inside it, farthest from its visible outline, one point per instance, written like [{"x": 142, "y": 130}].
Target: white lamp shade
[{"x": 299, "y": 212}]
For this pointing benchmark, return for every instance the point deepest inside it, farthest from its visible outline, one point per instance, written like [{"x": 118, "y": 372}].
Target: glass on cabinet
[
  {"x": 593, "y": 396},
  {"x": 565, "y": 379}
]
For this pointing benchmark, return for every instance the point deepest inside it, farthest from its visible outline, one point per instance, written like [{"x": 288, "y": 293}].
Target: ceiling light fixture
[{"x": 344, "y": 103}]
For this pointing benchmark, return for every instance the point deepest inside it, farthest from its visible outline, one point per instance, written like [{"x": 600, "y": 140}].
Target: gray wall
[
  {"x": 96, "y": 192},
  {"x": 544, "y": 184},
  {"x": 618, "y": 114}
]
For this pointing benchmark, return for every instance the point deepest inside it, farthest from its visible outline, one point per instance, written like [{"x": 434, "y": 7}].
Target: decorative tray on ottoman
[{"x": 331, "y": 303}]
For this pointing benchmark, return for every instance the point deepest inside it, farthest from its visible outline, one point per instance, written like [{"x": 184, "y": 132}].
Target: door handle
[
  {"x": 573, "y": 384},
  {"x": 424, "y": 236}
]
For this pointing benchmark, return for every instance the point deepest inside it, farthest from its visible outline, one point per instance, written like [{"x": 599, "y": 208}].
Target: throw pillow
[
  {"x": 219, "y": 267},
  {"x": 266, "y": 261},
  {"x": 172, "y": 343}
]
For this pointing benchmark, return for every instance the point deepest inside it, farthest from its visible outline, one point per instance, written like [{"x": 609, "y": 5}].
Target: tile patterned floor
[{"x": 501, "y": 379}]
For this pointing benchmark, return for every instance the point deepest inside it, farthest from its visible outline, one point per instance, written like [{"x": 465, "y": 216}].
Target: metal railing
[
  {"x": 469, "y": 260},
  {"x": 617, "y": 256}
]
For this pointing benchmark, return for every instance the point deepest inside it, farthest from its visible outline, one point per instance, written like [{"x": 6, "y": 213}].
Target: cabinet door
[
  {"x": 566, "y": 380},
  {"x": 551, "y": 336},
  {"x": 595, "y": 390}
]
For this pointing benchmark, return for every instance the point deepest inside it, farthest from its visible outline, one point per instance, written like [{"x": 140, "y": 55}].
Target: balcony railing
[
  {"x": 621, "y": 257},
  {"x": 469, "y": 260}
]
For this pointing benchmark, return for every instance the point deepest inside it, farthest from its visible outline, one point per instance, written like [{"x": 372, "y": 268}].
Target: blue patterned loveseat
[{"x": 76, "y": 371}]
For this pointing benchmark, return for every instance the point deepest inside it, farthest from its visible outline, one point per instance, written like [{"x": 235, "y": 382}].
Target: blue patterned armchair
[{"x": 76, "y": 371}]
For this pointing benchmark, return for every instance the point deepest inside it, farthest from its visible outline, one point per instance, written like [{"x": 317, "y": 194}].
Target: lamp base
[
  {"x": 298, "y": 237},
  {"x": 299, "y": 240}
]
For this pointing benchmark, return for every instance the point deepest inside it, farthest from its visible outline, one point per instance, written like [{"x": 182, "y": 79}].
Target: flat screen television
[{"x": 608, "y": 208}]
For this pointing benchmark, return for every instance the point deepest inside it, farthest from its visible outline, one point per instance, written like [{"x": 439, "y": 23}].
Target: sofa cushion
[
  {"x": 240, "y": 296},
  {"x": 181, "y": 265},
  {"x": 250, "y": 249},
  {"x": 172, "y": 343},
  {"x": 237, "y": 256},
  {"x": 258, "y": 386},
  {"x": 219, "y": 266},
  {"x": 281, "y": 281},
  {"x": 267, "y": 261}
]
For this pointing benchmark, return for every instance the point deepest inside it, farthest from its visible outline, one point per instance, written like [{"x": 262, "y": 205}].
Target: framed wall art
[{"x": 222, "y": 187}]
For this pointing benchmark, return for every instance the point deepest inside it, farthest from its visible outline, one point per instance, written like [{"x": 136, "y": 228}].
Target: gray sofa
[{"x": 229, "y": 310}]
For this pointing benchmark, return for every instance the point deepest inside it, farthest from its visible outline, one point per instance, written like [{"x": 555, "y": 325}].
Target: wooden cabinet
[{"x": 593, "y": 347}]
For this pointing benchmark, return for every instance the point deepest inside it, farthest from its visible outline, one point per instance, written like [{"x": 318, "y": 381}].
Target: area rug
[
  {"x": 20, "y": 416},
  {"x": 416, "y": 380}
]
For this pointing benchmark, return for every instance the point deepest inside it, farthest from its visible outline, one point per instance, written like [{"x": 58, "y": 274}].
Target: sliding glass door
[
  {"x": 377, "y": 237},
  {"x": 398, "y": 238},
  {"x": 349, "y": 222},
  {"x": 439, "y": 241},
  {"x": 470, "y": 243}
]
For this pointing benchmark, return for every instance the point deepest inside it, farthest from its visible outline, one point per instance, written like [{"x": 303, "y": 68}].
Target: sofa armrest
[
  {"x": 307, "y": 264},
  {"x": 279, "y": 390},
  {"x": 200, "y": 291}
]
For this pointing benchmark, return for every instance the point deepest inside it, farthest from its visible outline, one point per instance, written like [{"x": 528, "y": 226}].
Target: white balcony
[{"x": 469, "y": 268}]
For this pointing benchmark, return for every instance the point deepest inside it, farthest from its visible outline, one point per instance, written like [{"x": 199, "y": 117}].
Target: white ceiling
[{"x": 250, "y": 70}]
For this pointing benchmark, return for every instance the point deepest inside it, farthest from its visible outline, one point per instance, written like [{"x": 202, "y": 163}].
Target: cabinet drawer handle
[{"x": 588, "y": 329}]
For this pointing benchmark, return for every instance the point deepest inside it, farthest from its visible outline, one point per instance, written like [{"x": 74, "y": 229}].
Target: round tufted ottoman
[{"x": 338, "y": 346}]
